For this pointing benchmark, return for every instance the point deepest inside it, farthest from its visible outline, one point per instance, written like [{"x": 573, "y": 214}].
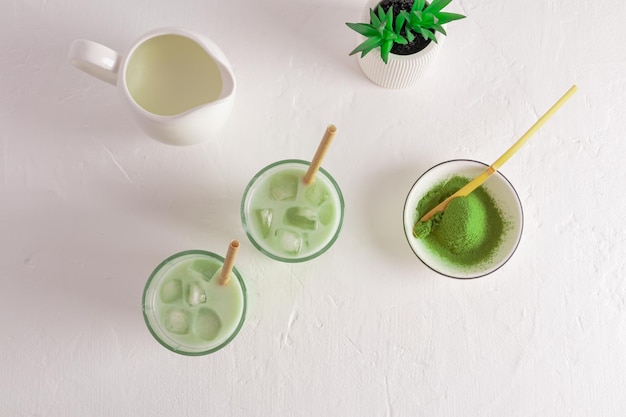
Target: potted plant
[{"x": 406, "y": 35}]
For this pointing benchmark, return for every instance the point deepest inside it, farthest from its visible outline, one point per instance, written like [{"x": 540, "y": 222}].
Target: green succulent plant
[
  {"x": 423, "y": 19},
  {"x": 381, "y": 31},
  {"x": 426, "y": 19}
]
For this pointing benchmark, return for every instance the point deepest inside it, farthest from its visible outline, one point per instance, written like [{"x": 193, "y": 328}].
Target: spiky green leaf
[
  {"x": 381, "y": 13},
  {"x": 373, "y": 18},
  {"x": 400, "y": 40},
  {"x": 439, "y": 29},
  {"x": 428, "y": 19},
  {"x": 381, "y": 28},
  {"x": 418, "y": 5},
  {"x": 389, "y": 19},
  {"x": 430, "y": 35},
  {"x": 437, "y": 5},
  {"x": 400, "y": 22},
  {"x": 409, "y": 35},
  {"x": 364, "y": 29},
  {"x": 443, "y": 17},
  {"x": 366, "y": 46},
  {"x": 384, "y": 51}
]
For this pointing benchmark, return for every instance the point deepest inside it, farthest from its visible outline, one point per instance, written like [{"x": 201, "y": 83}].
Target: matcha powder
[{"x": 469, "y": 231}]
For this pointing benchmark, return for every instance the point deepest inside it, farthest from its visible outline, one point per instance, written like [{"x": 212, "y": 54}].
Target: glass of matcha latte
[
  {"x": 288, "y": 219},
  {"x": 292, "y": 210},
  {"x": 191, "y": 306}
]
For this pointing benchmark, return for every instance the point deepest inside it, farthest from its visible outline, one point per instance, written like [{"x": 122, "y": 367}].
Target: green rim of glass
[
  {"x": 155, "y": 273},
  {"x": 271, "y": 254}
]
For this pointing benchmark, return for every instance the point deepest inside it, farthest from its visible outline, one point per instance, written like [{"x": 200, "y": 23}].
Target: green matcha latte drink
[
  {"x": 287, "y": 219},
  {"x": 189, "y": 307},
  {"x": 292, "y": 210}
]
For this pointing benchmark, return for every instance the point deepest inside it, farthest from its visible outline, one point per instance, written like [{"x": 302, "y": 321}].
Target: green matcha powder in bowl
[{"x": 476, "y": 234}]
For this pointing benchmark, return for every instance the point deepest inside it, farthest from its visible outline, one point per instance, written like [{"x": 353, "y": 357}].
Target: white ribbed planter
[{"x": 401, "y": 71}]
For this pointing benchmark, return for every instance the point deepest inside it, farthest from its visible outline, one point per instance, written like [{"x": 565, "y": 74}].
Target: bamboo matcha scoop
[{"x": 481, "y": 178}]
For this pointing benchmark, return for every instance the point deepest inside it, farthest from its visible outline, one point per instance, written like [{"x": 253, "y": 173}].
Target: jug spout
[
  {"x": 228, "y": 82},
  {"x": 225, "y": 68}
]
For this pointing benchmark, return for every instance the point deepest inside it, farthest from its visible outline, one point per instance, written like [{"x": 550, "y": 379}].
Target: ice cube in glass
[
  {"x": 264, "y": 216},
  {"x": 302, "y": 217},
  {"x": 194, "y": 294},
  {"x": 289, "y": 241},
  {"x": 207, "y": 324},
  {"x": 178, "y": 321},
  {"x": 316, "y": 194},
  {"x": 204, "y": 268},
  {"x": 171, "y": 291},
  {"x": 284, "y": 187}
]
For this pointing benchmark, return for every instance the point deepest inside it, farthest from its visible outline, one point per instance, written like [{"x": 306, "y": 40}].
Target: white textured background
[{"x": 89, "y": 206}]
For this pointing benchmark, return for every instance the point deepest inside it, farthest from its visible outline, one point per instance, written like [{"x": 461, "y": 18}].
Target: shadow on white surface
[{"x": 384, "y": 194}]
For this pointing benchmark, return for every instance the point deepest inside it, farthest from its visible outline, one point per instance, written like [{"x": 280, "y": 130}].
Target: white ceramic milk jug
[{"x": 178, "y": 83}]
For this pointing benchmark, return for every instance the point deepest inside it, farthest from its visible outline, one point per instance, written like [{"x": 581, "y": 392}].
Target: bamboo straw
[
  {"x": 309, "y": 177},
  {"x": 481, "y": 178},
  {"x": 229, "y": 262}
]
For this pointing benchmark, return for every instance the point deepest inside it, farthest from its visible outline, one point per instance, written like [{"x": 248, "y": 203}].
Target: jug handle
[{"x": 95, "y": 59}]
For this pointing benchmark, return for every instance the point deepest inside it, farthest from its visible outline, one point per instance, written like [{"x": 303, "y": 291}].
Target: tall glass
[
  {"x": 185, "y": 307},
  {"x": 288, "y": 220}
]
